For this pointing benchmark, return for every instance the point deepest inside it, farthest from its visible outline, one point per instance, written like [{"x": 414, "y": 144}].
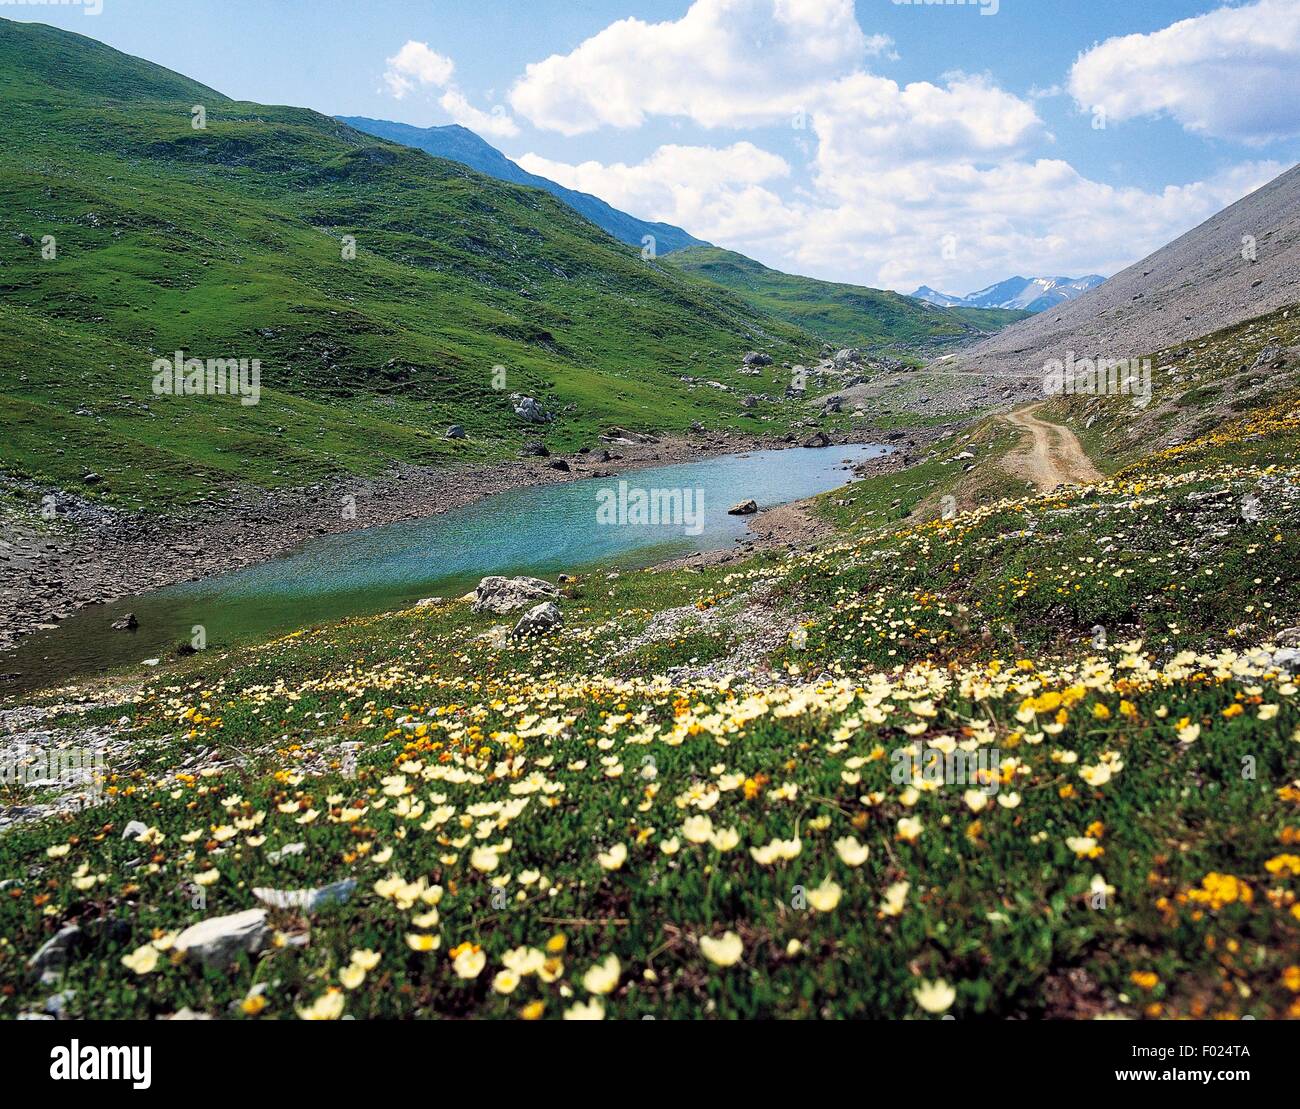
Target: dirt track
[{"x": 1055, "y": 456}]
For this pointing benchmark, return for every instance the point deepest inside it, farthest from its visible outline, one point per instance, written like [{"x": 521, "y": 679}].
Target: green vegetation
[
  {"x": 847, "y": 315},
  {"x": 226, "y": 242},
  {"x": 612, "y": 820},
  {"x": 696, "y": 797}
]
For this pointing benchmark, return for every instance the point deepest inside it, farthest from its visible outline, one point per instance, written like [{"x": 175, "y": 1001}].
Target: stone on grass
[
  {"x": 58, "y": 949},
  {"x": 308, "y": 900},
  {"x": 285, "y": 851},
  {"x": 539, "y": 620},
  {"x": 218, "y": 941},
  {"x": 500, "y": 595}
]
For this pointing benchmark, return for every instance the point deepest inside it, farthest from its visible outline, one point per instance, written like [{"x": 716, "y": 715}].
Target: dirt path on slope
[{"x": 1054, "y": 457}]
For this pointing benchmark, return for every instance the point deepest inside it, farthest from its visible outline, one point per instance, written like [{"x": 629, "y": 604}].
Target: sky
[{"x": 877, "y": 142}]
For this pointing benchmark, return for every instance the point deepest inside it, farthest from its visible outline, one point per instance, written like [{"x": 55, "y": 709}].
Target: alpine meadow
[{"x": 499, "y": 541}]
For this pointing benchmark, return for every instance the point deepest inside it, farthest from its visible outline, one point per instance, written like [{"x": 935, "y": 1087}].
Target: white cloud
[
  {"x": 864, "y": 122},
  {"x": 889, "y": 227},
  {"x": 757, "y": 62},
  {"x": 415, "y": 64},
  {"x": 936, "y": 182},
  {"x": 723, "y": 63},
  {"x": 723, "y": 189},
  {"x": 1032, "y": 217},
  {"x": 1232, "y": 73},
  {"x": 496, "y": 123}
]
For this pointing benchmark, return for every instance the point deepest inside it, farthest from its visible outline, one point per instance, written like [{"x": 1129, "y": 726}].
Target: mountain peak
[{"x": 1028, "y": 294}]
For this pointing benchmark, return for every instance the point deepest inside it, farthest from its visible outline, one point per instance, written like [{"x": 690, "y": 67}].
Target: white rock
[
  {"x": 285, "y": 851},
  {"x": 219, "y": 940},
  {"x": 308, "y": 900},
  {"x": 501, "y": 595}
]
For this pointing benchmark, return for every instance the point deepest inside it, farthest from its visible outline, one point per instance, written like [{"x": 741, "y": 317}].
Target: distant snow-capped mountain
[
  {"x": 1029, "y": 294},
  {"x": 933, "y": 296}
]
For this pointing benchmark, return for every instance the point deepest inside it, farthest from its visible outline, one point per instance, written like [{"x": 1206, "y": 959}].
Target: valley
[{"x": 566, "y": 632}]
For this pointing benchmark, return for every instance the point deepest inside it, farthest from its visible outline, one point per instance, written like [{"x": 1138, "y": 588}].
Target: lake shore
[{"x": 45, "y": 576}]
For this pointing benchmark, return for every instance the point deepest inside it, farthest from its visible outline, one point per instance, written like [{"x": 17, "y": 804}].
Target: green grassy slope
[
  {"x": 1127, "y": 847},
  {"x": 849, "y": 315},
  {"x": 226, "y": 242}
]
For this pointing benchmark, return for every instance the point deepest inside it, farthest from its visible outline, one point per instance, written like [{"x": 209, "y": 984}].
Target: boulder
[
  {"x": 455, "y": 432},
  {"x": 500, "y": 595},
  {"x": 817, "y": 439},
  {"x": 218, "y": 941},
  {"x": 755, "y": 358},
  {"x": 623, "y": 435},
  {"x": 127, "y": 623},
  {"x": 1288, "y": 660},
  {"x": 530, "y": 409},
  {"x": 561, "y": 465},
  {"x": 308, "y": 900},
  {"x": 534, "y": 449},
  {"x": 58, "y": 949},
  {"x": 744, "y": 508},
  {"x": 539, "y": 620}
]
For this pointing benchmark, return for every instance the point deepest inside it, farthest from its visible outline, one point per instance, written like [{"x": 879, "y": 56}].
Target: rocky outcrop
[
  {"x": 530, "y": 409},
  {"x": 744, "y": 508},
  {"x": 501, "y": 595},
  {"x": 622, "y": 435}
]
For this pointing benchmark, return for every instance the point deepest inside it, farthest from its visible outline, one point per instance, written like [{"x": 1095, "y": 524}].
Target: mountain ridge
[
  {"x": 852, "y": 315},
  {"x": 1027, "y": 294},
  {"x": 460, "y": 144}
]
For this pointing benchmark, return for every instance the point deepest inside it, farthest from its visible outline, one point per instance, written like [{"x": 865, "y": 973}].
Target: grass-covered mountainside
[
  {"x": 846, "y": 315},
  {"x": 693, "y": 798},
  {"x": 459, "y": 144},
  {"x": 226, "y": 242}
]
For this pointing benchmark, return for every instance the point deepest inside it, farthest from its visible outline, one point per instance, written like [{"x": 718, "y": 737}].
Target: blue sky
[{"x": 882, "y": 143}]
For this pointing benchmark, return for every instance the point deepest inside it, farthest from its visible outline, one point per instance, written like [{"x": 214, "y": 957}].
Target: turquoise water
[{"x": 543, "y": 531}]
